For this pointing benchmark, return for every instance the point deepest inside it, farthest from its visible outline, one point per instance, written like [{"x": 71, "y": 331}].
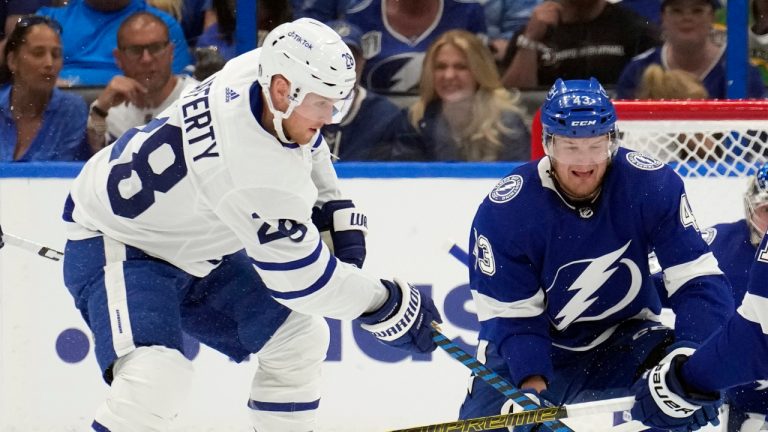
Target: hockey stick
[
  {"x": 539, "y": 415},
  {"x": 43, "y": 251},
  {"x": 496, "y": 381}
]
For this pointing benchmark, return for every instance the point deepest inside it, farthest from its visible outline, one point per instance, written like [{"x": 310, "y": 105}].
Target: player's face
[
  {"x": 453, "y": 78},
  {"x": 37, "y": 62},
  {"x": 760, "y": 217},
  {"x": 145, "y": 54},
  {"x": 687, "y": 21},
  {"x": 580, "y": 163},
  {"x": 313, "y": 113}
]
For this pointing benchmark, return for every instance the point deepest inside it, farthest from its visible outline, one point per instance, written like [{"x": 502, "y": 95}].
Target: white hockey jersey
[{"x": 205, "y": 179}]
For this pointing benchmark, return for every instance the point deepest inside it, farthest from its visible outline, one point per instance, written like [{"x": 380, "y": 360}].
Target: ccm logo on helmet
[
  {"x": 583, "y": 122},
  {"x": 295, "y": 36}
]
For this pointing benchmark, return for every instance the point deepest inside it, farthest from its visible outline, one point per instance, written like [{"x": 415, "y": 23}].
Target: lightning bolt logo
[
  {"x": 589, "y": 283},
  {"x": 761, "y": 385}
]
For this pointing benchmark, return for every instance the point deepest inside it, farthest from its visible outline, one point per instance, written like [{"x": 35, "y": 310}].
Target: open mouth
[{"x": 582, "y": 173}]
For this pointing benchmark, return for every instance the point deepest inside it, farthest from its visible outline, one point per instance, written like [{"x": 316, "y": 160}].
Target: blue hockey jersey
[
  {"x": 545, "y": 273},
  {"x": 394, "y": 60},
  {"x": 739, "y": 352}
]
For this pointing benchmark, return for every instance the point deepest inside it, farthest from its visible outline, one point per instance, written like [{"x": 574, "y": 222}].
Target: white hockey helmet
[
  {"x": 756, "y": 204},
  {"x": 314, "y": 59}
]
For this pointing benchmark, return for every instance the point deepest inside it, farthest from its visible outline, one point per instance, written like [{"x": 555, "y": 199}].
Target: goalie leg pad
[{"x": 149, "y": 387}]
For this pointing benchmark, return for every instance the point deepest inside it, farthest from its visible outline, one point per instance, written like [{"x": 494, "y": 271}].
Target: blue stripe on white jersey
[
  {"x": 320, "y": 283},
  {"x": 290, "y": 265}
]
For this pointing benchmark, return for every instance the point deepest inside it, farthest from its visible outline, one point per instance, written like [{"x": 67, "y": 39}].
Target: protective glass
[
  {"x": 579, "y": 151},
  {"x": 319, "y": 108}
]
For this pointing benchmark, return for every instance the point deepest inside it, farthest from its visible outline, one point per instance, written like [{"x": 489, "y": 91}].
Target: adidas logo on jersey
[{"x": 230, "y": 95}]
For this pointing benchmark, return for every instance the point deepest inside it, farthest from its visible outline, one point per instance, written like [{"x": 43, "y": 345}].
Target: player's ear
[{"x": 279, "y": 91}]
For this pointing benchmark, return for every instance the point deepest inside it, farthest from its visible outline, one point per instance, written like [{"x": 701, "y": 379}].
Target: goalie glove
[
  {"x": 405, "y": 319},
  {"x": 663, "y": 401},
  {"x": 347, "y": 227}
]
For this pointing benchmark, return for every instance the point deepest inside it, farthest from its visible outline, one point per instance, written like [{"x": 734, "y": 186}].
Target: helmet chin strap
[{"x": 278, "y": 117}]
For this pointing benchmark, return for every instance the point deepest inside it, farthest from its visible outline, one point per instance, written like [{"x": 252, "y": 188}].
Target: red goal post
[{"x": 697, "y": 137}]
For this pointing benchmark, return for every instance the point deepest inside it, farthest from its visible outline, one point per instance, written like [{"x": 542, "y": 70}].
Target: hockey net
[{"x": 697, "y": 138}]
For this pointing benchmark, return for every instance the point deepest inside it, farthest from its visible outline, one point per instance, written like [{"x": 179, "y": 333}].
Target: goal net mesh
[{"x": 696, "y": 138}]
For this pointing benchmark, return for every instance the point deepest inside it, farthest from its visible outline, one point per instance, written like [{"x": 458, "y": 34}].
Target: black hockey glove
[{"x": 347, "y": 227}]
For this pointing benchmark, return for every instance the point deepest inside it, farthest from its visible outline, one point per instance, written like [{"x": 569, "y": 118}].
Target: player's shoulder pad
[
  {"x": 510, "y": 187},
  {"x": 641, "y": 161}
]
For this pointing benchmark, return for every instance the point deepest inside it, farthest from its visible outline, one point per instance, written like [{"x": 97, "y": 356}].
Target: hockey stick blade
[
  {"x": 43, "y": 251},
  {"x": 492, "y": 378},
  {"x": 539, "y": 415}
]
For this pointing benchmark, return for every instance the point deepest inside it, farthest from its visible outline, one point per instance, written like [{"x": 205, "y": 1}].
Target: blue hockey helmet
[
  {"x": 756, "y": 203},
  {"x": 578, "y": 109}
]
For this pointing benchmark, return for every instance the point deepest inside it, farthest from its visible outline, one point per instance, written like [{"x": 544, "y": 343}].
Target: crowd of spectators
[{"x": 437, "y": 79}]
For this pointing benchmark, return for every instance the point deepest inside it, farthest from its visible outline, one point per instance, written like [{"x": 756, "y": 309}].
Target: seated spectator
[
  {"x": 687, "y": 28},
  {"x": 576, "y": 39},
  {"x": 504, "y": 18},
  {"x": 88, "y": 46},
  {"x": 463, "y": 113},
  {"x": 371, "y": 126},
  {"x": 396, "y": 34},
  {"x": 147, "y": 87},
  {"x": 37, "y": 120}
]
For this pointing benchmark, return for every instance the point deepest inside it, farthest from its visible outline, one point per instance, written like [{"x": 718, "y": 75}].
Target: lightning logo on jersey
[{"x": 588, "y": 284}]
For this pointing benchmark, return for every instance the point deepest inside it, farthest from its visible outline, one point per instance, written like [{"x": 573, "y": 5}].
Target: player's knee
[{"x": 149, "y": 387}]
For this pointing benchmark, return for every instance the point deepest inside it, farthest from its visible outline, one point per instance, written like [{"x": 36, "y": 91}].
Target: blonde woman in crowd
[
  {"x": 463, "y": 112},
  {"x": 676, "y": 84},
  {"x": 657, "y": 83}
]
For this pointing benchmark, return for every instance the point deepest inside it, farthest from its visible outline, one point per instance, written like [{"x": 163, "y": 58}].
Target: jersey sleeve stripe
[
  {"x": 755, "y": 308},
  {"x": 677, "y": 276},
  {"x": 488, "y": 307},
  {"x": 291, "y": 265},
  {"x": 317, "y": 285}
]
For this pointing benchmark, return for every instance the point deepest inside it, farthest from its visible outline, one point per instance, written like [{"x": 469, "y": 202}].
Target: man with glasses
[
  {"x": 148, "y": 86},
  {"x": 207, "y": 221},
  {"x": 91, "y": 28},
  {"x": 560, "y": 276}
]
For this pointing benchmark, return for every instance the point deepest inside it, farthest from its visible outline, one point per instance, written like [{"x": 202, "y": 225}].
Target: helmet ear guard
[
  {"x": 312, "y": 58},
  {"x": 578, "y": 109}
]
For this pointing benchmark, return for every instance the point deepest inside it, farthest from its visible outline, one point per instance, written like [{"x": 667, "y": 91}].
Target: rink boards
[{"x": 48, "y": 374}]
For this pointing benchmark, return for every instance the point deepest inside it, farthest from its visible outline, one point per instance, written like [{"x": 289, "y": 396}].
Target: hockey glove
[
  {"x": 347, "y": 227},
  {"x": 662, "y": 400},
  {"x": 405, "y": 319}
]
